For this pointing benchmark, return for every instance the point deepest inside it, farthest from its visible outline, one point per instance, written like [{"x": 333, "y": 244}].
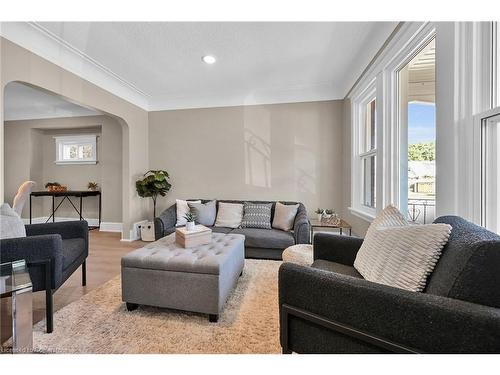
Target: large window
[
  {"x": 78, "y": 149},
  {"x": 364, "y": 148}
]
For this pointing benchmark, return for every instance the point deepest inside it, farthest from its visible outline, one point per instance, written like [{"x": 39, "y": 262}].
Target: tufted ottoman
[{"x": 197, "y": 279}]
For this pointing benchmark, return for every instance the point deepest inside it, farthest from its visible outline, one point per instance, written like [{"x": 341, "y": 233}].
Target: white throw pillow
[
  {"x": 284, "y": 216},
  {"x": 229, "y": 215},
  {"x": 182, "y": 209},
  {"x": 11, "y": 224},
  {"x": 398, "y": 254}
]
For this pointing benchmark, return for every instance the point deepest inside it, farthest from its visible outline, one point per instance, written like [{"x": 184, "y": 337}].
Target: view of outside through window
[
  {"x": 71, "y": 152},
  {"x": 421, "y": 128}
]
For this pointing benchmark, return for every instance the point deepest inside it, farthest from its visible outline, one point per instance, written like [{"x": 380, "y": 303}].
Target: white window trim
[
  {"x": 358, "y": 109},
  {"x": 76, "y": 139},
  {"x": 383, "y": 76}
]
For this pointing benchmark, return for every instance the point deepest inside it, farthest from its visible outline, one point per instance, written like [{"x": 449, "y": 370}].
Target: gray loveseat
[
  {"x": 259, "y": 243},
  {"x": 330, "y": 308}
]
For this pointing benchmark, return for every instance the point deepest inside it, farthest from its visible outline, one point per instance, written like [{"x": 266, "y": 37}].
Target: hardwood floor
[{"x": 103, "y": 263}]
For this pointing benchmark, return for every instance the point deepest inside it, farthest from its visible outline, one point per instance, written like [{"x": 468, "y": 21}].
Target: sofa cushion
[
  {"x": 326, "y": 265},
  {"x": 72, "y": 249},
  {"x": 229, "y": 215},
  {"x": 182, "y": 209},
  {"x": 257, "y": 215},
  {"x": 221, "y": 230},
  {"x": 284, "y": 216},
  {"x": 469, "y": 267},
  {"x": 204, "y": 212},
  {"x": 266, "y": 238}
]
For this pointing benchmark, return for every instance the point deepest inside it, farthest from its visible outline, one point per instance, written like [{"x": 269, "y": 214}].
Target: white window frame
[
  {"x": 488, "y": 83},
  {"x": 359, "y": 105},
  {"x": 383, "y": 77},
  {"x": 75, "y": 140}
]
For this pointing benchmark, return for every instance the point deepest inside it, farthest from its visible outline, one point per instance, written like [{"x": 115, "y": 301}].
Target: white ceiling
[
  {"x": 22, "y": 102},
  {"x": 158, "y": 65}
]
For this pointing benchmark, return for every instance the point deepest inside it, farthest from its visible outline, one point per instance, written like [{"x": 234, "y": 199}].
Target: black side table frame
[{"x": 66, "y": 196}]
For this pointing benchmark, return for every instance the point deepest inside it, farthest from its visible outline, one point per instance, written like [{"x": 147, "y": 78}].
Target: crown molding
[
  {"x": 42, "y": 42},
  {"x": 298, "y": 94}
]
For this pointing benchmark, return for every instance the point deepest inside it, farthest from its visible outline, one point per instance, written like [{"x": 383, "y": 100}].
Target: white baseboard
[{"x": 105, "y": 226}]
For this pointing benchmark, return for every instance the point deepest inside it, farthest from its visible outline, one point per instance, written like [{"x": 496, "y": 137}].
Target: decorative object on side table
[
  {"x": 92, "y": 186},
  {"x": 154, "y": 183},
  {"x": 190, "y": 218},
  {"x": 199, "y": 235},
  {"x": 55, "y": 186},
  {"x": 320, "y": 213}
]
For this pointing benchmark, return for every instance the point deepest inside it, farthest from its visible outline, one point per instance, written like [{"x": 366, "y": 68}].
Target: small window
[{"x": 78, "y": 149}]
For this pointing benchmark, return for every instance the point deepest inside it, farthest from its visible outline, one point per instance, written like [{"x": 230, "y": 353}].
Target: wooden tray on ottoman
[{"x": 201, "y": 235}]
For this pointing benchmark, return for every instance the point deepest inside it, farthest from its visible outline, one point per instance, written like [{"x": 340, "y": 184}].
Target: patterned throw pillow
[
  {"x": 398, "y": 254},
  {"x": 257, "y": 215}
]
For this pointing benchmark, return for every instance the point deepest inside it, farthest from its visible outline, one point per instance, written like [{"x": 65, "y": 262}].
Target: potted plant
[
  {"x": 153, "y": 184},
  {"x": 320, "y": 212},
  {"x": 190, "y": 218},
  {"x": 92, "y": 186}
]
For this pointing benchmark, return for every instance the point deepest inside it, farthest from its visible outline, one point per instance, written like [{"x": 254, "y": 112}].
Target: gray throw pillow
[
  {"x": 204, "y": 212},
  {"x": 257, "y": 215}
]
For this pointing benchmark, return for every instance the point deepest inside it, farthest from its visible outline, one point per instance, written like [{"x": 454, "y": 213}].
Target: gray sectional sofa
[{"x": 259, "y": 243}]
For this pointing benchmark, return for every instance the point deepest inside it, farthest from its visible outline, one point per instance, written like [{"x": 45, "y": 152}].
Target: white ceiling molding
[
  {"x": 42, "y": 42},
  {"x": 239, "y": 98},
  {"x": 157, "y": 66}
]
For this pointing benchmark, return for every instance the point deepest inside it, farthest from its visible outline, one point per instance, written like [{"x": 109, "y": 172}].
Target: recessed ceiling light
[{"x": 209, "y": 59}]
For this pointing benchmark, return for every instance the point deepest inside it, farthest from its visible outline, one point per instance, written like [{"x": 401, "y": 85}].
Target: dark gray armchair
[
  {"x": 53, "y": 251},
  {"x": 330, "y": 308}
]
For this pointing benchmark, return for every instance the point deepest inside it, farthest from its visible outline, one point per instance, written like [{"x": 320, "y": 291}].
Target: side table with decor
[{"x": 339, "y": 224}]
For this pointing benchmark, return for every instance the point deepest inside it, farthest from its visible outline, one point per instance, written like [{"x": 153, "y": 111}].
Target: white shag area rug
[{"x": 99, "y": 322}]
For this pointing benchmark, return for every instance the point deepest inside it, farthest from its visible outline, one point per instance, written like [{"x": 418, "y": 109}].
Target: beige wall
[
  {"x": 275, "y": 152},
  {"x": 359, "y": 225},
  {"x": 19, "y": 64},
  {"x": 39, "y": 158}
]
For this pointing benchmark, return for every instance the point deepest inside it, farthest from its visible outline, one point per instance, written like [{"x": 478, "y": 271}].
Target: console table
[{"x": 66, "y": 196}]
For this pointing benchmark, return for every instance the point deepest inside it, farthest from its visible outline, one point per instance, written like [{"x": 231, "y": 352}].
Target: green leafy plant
[
  {"x": 48, "y": 184},
  {"x": 329, "y": 211},
  {"x": 190, "y": 217},
  {"x": 319, "y": 211},
  {"x": 92, "y": 185},
  {"x": 422, "y": 151},
  {"x": 154, "y": 183}
]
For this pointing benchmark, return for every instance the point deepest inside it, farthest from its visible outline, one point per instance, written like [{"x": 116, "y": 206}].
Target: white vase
[
  {"x": 320, "y": 216},
  {"x": 148, "y": 232},
  {"x": 190, "y": 225}
]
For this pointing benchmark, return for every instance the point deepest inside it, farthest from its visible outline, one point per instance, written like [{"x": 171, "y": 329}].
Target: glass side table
[
  {"x": 341, "y": 226},
  {"x": 15, "y": 282}
]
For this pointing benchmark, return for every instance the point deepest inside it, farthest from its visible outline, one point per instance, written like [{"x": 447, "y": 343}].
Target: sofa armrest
[
  {"x": 301, "y": 226},
  {"x": 426, "y": 322},
  {"x": 335, "y": 248},
  {"x": 165, "y": 223},
  {"x": 67, "y": 229},
  {"x": 33, "y": 249}
]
